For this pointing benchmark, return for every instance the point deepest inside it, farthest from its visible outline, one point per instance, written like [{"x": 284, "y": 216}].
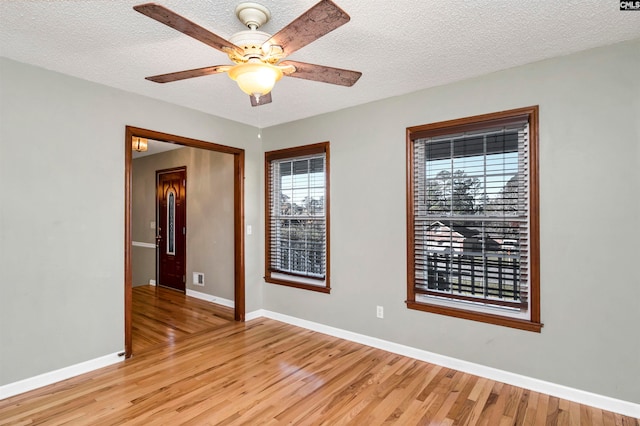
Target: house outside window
[
  {"x": 297, "y": 217},
  {"x": 472, "y": 222}
]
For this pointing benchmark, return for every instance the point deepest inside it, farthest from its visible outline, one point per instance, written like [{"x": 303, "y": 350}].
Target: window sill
[
  {"x": 297, "y": 284},
  {"x": 520, "y": 324}
]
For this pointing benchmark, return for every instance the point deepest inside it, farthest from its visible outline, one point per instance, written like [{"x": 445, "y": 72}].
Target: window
[
  {"x": 297, "y": 217},
  {"x": 472, "y": 222}
]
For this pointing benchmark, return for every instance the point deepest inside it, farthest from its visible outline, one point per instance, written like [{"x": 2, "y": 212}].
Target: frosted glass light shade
[
  {"x": 139, "y": 144},
  {"x": 255, "y": 78}
]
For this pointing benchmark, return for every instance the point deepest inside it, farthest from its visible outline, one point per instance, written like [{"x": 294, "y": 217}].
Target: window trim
[
  {"x": 286, "y": 153},
  {"x": 464, "y": 125}
]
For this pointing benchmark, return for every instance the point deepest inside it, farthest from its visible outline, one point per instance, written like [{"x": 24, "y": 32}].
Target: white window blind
[
  {"x": 297, "y": 216},
  {"x": 471, "y": 217}
]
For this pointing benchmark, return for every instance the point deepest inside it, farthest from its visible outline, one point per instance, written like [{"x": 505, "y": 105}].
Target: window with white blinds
[
  {"x": 471, "y": 208},
  {"x": 297, "y": 217}
]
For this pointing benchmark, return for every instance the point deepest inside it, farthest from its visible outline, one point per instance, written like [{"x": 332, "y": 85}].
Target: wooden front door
[{"x": 171, "y": 228}]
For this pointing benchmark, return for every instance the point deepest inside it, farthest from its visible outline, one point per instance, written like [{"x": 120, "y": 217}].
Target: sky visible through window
[{"x": 500, "y": 168}]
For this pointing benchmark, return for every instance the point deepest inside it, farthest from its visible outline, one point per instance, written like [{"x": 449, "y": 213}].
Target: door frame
[
  {"x": 238, "y": 219},
  {"x": 158, "y": 222}
]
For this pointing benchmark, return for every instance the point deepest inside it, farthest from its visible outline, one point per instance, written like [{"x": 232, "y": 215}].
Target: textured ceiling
[{"x": 400, "y": 46}]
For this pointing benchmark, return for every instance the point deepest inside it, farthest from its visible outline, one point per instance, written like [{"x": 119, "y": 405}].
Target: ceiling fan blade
[
  {"x": 177, "y": 22},
  {"x": 321, "y": 73},
  {"x": 264, "y": 99},
  {"x": 321, "y": 19},
  {"x": 181, "y": 75}
]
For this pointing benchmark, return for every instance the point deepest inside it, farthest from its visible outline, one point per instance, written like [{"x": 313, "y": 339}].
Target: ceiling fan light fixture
[
  {"x": 255, "y": 78},
  {"x": 139, "y": 144},
  {"x": 257, "y": 54}
]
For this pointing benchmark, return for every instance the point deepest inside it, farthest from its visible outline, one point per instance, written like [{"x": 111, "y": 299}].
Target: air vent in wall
[{"x": 198, "y": 278}]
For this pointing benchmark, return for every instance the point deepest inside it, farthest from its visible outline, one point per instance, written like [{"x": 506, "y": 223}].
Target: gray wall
[
  {"x": 209, "y": 217},
  {"x": 590, "y": 205},
  {"x": 62, "y": 213},
  {"x": 143, "y": 264}
]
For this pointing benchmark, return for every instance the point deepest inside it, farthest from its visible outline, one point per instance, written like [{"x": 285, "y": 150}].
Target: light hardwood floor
[
  {"x": 161, "y": 315},
  {"x": 267, "y": 372}
]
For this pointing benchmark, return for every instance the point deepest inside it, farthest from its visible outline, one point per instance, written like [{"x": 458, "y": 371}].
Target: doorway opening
[{"x": 238, "y": 216}]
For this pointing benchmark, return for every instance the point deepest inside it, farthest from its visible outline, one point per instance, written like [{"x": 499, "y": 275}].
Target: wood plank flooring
[
  {"x": 264, "y": 372},
  {"x": 161, "y": 315}
]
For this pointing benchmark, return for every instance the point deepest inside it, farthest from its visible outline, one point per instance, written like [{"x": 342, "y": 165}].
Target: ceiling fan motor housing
[
  {"x": 252, "y": 41},
  {"x": 249, "y": 39}
]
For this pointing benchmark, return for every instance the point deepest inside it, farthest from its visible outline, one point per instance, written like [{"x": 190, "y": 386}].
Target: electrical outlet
[{"x": 379, "y": 311}]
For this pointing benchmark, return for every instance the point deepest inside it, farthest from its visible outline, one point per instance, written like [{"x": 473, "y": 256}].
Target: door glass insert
[{"x": 171, "y": 222}]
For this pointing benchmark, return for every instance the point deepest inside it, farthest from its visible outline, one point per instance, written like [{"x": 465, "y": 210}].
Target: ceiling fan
[{"x": 258, "y": 56}]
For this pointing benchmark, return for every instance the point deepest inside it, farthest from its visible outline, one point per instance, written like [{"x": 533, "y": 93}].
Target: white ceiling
[{"x": 400, "y": 46}]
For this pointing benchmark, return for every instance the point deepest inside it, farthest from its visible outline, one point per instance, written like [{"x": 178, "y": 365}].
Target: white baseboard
[
  {"x": 213, "y": 299},
  {"x": 51, "y": 377},
  {"x": 583, "y": 397},
  {"x": 256, "y": 314}
]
